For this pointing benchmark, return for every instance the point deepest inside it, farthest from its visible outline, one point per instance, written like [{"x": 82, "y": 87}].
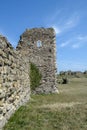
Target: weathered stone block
[
  {"x": 13, "y": 65},
  {"x": 1, "y": 80}
]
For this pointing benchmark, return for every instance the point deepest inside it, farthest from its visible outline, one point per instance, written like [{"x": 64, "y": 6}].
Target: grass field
[{"x": 64, "y": 111}]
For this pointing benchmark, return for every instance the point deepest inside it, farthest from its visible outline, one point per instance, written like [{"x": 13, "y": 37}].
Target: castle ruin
[
  {"x": 35, "y": 46},
  {"x": 39, "y": 46}
]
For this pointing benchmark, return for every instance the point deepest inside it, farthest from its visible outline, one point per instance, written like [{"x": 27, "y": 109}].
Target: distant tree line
[
  {"x": 63, "y": 76},
  {"x": 72, "y": 72}
]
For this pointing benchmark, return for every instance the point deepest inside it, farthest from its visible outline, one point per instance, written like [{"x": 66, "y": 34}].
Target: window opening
[{"x": 39, "y": 43}]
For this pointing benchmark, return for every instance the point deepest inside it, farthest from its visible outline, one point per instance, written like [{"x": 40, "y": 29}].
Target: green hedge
[{"x": 35, "y": 76}]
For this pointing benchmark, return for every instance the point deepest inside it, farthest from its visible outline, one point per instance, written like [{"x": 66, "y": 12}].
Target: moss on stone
[{"x": 35, "y": 76}]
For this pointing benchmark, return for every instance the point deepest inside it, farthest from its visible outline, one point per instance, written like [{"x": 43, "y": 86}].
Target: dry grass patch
[{"x": 58, "y": 106}]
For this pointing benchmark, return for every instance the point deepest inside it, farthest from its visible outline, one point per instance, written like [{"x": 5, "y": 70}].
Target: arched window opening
[{"x": 39, "y": 43}]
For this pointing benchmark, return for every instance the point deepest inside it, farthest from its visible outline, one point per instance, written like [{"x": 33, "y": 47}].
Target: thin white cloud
[
  {"x": 76, "y": 46},
  {"x": 75, "y": 42},
  {"x": 80, "y": 42},
  {"x": 64, "y": 44},
  {"x": 63, "y": 24},
  {"x": 57, "y": 30},
  {"x": 55, "y": 15},
  {"x": 82, "y": 38},
  {"x": 72, "y": 21}
]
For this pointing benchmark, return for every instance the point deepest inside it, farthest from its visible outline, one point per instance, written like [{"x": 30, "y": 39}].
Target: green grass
[
  {"x": 64, "y": 111},
  {"x": 35, "y": 76}
]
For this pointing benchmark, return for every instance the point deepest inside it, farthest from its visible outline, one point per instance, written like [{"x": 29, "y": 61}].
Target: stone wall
[
  {"x": 14, "y": 80},
  {"x": 39, "y": 46}
]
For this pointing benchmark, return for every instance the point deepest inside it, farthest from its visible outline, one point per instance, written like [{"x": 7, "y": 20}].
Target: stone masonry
[
  {"x": 14, "y": 80},
  {"x": 40, "y": 48},
  {"x": 37, "y": 46}
]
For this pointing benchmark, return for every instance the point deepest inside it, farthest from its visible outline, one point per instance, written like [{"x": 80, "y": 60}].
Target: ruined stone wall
[
  {"x": 37, "y": 46},
  {"x": 14, "y": 80},
  {"x": 40, "y": 48}
]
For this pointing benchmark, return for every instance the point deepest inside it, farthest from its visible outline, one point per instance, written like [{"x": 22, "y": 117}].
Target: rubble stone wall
[
  {"x": 14, "y": 80},
  {"x": 39, "y": 45}
]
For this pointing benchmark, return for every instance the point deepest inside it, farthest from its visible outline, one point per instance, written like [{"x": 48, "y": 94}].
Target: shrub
[
  {"x": 35, "y": 76},
  {"x": 65, "y": 81}
]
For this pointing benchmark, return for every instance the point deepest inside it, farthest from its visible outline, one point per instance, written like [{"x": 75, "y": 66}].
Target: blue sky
[{"x": 67, "y": 17}]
